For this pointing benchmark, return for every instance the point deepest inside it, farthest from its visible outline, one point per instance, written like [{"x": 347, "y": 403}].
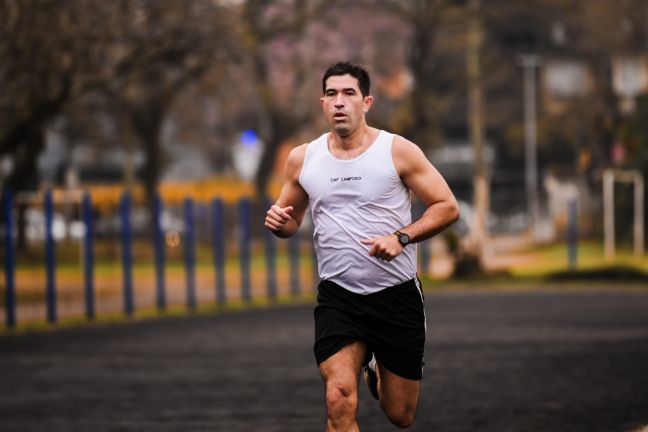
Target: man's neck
[{"x": 352, "y": 145}]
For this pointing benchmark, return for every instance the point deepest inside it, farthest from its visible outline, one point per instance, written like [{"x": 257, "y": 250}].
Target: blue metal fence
[
  {"x": 9, "y": 261},
  {"x": 88, "y": 256},
  {"x": 127, "y": 253},
  {"x": 190, "y": 253},
  {"x": 271, "y": 260},
  {"x": 50, "y": 257},
  {"x": 158, "y": 248},
  {"x": 218, "y": 223},
  {"x": 217, "y": 244},
  {"x": 244, "y": 251}
]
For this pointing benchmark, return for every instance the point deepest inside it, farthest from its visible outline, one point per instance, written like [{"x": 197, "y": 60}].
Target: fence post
[
  {"x": 127, "y": 255},
  {"x": 50, "y": 257},
  {"x": 293, "y": 253},
  {"x": 271, "y": 260},
  {"x": 158, "y": 246},
  {"x": 88, "y": 256},
  {"x": 244, "y": 214},
  {"x": 10, "y": 262},
  {"x": 190, "y": 253},
  {"x": 218, "y": 244},
  {"x": 572, "y": 233}
]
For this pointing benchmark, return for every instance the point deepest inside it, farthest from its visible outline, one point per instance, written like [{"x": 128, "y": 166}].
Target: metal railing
[{"x": 158, "y": 238}]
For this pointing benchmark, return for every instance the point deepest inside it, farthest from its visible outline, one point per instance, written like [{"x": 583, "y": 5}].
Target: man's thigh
[{"x": 344, "y": 366}]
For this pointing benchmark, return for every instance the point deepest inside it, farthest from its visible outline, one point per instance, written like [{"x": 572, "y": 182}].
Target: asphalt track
[{"x": 496, "y": 361}]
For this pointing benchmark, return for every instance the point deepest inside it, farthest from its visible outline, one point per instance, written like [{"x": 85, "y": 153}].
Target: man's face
[{"x": 343, "y": 104}]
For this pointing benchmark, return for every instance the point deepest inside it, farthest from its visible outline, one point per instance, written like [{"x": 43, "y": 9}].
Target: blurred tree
[
  {"x": 426, "y": 60},
  {"x": 49, "y": 56},
  {"x": 130, "y": 59},
  {"x": 139, "y": 54},
  {"x": 170, "y": 45},
  {"x": 208, "y": 115},
  {"x": 267, "y": 25}
]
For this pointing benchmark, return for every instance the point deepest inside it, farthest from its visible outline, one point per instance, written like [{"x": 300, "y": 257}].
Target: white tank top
[{"x": 357, "y": 199}]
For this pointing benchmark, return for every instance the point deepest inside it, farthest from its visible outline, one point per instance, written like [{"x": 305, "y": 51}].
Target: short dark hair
[{"x": 344, "y": 68}]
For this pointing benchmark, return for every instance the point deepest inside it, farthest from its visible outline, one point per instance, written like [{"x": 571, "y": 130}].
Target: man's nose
[{"x": 339, "y": 101}]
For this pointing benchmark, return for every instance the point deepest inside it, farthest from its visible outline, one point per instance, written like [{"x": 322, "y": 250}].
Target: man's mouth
[{"x": 339, "y": 116}]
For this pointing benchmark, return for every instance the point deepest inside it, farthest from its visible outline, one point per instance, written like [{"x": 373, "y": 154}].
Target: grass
[
  {"x": 545, "y": 260},
  {"x": 547, "y": 267},
  {"x": 150, "y": 313}
]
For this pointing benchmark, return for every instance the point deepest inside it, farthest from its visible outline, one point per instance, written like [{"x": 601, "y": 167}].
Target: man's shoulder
[
  {"x": 404, "y": 146},
  {"x": 406, "y": 155},
  {"x": 297, "y": 155}
]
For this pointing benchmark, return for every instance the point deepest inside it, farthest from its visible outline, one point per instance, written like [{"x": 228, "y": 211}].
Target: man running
[{"x": 370, "y": 313}]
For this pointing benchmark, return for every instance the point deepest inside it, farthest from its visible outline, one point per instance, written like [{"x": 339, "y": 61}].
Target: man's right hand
[{"x": 278, "y": 217}]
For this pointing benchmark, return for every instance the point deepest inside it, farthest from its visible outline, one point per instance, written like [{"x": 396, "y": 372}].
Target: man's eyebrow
[{"x": 346, "y": 89}]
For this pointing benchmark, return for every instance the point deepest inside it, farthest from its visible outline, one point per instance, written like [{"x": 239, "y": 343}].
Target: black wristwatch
[{"x": 403, "y": 238}]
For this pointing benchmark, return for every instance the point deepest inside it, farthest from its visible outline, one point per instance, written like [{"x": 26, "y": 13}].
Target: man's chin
[{"x": 342, "y": 130}]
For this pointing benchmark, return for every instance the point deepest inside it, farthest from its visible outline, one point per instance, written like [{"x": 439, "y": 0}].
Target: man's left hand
[{"x": 385, "y": 248}]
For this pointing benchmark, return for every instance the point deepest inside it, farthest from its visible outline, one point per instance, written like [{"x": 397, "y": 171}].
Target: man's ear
[{"x": 368, "y": 101}]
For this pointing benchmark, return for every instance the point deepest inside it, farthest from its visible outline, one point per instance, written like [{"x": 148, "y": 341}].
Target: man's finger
[
  {"x": 278, "y": 214},
  {"x": 271, "y": 222},
  {"x": 284, "y": 213},
  {"x": 368, "y": 241}
]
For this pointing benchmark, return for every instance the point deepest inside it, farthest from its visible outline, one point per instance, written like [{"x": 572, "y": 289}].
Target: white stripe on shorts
[{"x": 420, "y": 290}]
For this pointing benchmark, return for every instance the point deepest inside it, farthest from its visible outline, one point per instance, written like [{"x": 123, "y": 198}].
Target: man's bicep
[
  {"x": 418, "y": 173},
  {"x": 428, "y": 184}
]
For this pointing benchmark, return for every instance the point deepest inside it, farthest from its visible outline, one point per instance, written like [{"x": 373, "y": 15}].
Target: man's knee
[
  {"x": 341, "y": 399},
  {"x": 341, "y": 402},
  {"x": 401, "y": 416}
]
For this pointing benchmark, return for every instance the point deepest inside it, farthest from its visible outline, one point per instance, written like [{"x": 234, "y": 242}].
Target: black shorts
[{"x": 391, "y": 322}]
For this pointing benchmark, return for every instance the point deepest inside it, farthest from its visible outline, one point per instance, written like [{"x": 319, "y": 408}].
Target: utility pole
[
  {"x": 530, "y": 62},
  {"x": 476, "y": 124}
]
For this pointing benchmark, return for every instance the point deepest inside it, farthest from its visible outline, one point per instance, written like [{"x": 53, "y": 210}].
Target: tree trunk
[
  {"x": 424, "y": 128},
  {"x": 479, "y": 234},
  {"x": 147, "y": 121},
  {"x": 25, "y": 175}
]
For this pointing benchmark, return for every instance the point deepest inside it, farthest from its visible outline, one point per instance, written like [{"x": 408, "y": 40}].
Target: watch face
[{"x": 403, "y": 238}]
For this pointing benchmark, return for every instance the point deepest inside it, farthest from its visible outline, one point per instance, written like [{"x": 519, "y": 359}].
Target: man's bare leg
[
  {"x": 340, "y": 374},
  {"x": 398, "y": 396}
]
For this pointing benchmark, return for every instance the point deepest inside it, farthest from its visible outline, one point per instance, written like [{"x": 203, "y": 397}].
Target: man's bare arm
[
  {"x": 286, "y": 215},
  {"x": 428, "y": 184}
]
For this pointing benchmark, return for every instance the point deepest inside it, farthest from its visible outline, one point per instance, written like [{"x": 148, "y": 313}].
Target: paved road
[{"x": 541, "y": 361}]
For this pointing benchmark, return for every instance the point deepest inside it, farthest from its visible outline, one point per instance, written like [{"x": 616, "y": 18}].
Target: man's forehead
[{"x": 342, "y": 81}]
